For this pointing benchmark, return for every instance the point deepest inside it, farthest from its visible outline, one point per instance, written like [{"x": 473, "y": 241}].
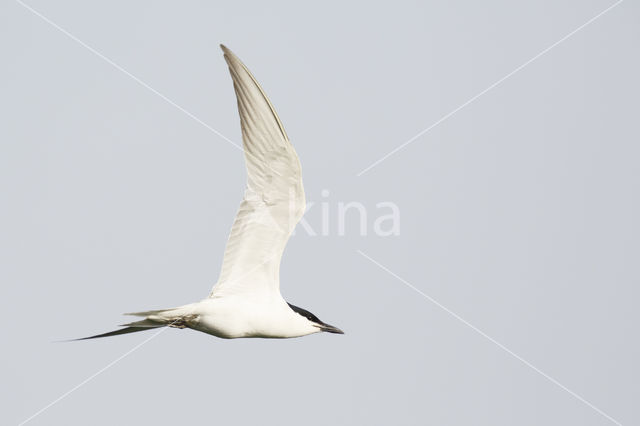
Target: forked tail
[{"x": 154, "y": 319}]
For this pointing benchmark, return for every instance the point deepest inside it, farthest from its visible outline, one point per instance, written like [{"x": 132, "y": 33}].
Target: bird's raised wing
[{"x": 274, "y": 199}]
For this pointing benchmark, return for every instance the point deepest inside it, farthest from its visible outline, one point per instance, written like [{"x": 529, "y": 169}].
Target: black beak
[{"x": 330, "y": 329}]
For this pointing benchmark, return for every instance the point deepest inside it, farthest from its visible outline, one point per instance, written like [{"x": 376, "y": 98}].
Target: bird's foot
[{"x": 182, "y": 322}]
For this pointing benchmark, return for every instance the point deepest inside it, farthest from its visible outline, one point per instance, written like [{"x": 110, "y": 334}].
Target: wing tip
[
  {"x": 229, "y": 56},
  {"x": 227, "y": 52}
]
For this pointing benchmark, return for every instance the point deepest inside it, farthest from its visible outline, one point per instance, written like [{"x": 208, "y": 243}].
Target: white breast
[{"x": 232, "y": 317}]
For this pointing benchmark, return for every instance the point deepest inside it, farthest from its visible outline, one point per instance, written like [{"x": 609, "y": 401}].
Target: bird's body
[
  {"x": 246, "y": 301},
  {"x": 233, "y": 317}
]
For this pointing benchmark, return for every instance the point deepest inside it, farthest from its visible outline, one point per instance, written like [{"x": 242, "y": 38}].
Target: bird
[{"x": 246, "y": 300}]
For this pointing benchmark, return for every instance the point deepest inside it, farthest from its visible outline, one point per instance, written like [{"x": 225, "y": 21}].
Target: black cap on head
[{"x": 314, "y": 319}]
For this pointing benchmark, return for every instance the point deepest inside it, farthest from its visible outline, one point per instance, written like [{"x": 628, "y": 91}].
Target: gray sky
[{"x": 519, "y": 213}]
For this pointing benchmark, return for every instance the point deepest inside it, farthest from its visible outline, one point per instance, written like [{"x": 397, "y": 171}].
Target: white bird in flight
[{"x": 246, "y": 300}]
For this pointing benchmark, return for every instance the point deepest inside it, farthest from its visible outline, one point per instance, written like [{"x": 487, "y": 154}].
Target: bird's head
[{"x": 315, "y": 321}]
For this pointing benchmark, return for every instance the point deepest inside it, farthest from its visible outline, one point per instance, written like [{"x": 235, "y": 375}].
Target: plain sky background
[{"x": 519, "y": 213}]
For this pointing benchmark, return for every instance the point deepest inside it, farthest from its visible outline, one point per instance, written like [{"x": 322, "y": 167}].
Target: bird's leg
[
  {"x": 182, "y": 322},
  {"x": 179, "y": 323}
]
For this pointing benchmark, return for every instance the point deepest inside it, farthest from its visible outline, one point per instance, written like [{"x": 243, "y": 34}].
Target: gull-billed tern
[{"x": 246, "y": 300}]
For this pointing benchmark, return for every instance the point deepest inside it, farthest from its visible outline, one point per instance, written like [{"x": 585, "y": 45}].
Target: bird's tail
[{"x": 154, "y": 319}]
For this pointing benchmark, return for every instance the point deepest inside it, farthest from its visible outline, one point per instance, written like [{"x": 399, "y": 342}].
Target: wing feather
[{"x": 274, "y": 198}]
